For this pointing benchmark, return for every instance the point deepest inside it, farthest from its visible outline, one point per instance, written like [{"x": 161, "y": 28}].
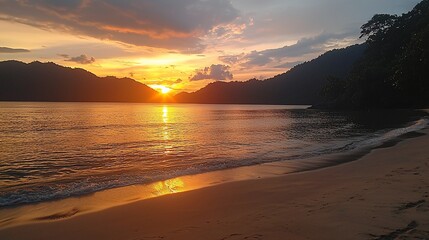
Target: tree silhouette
[
  {"x": 377, "y": 26},
  {"x": 393, "y": 72}
]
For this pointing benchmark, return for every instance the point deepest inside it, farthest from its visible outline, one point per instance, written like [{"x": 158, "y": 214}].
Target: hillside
[
  {"x": 50, "y": 82},
  {"x": 394, "y": 71},
  {"x": 300, "y": 85},
  {"x": 38, "y": 81}
]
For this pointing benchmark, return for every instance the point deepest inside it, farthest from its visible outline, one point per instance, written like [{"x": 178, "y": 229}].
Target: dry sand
[{"x": 384, "y": 195}]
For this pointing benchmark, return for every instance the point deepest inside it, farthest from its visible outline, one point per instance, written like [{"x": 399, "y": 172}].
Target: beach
[
  {"x": 214, "y": 120},
  {"x": 383, "y": 195}
]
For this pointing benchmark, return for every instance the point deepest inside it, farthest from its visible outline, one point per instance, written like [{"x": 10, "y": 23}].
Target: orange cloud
[
  {"x": 176, "y": 25},
  {"x": 165, "y": 34}
]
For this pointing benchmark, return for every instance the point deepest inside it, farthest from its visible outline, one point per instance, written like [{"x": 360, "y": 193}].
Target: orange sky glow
[{"x": 175, "y": 46}]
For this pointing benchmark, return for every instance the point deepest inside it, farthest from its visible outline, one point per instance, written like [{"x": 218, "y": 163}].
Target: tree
[
  {"x": 333, "y": 88},
  {"x": 375, "y": 28},
  {"x": 393, "y": 73}
]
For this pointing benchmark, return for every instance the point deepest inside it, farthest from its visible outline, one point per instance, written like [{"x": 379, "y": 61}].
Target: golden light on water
[
  {"x": 169, "y": 186},
  {"x": 165, "y": 121},
  {"x": 165, "y": 114}
]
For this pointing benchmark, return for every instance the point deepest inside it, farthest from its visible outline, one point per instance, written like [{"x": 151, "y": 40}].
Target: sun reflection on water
[
  {"x": 169, "y": 186},
  {"x": 165, "y": 130},
  {"x": 165, "y": 114}
]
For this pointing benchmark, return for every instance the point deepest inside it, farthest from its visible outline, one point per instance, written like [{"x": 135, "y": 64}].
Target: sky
[{"x": 183, "y": 44}]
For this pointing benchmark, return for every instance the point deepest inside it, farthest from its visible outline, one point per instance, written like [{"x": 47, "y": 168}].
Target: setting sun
[
  {"x": 164, "y": 89},
  {"x": 222, "y": 119}
]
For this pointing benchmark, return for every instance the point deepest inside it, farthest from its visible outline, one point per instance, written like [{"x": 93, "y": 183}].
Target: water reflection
[
  {"x": 165, "y": 114},
  {"x": 169, "y": 186},
  {"x": 104, "y": 145},
  {"x": 165, "y": 130}
]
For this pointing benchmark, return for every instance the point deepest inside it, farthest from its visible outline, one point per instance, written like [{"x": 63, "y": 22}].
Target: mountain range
[{"x": 38, "y": 81}]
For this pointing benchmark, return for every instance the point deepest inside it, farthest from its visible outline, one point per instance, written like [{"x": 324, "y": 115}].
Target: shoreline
[
  {"x": 265, "y": 204},
  {"x": 64, "y": 208},
  {"x": 73, "y": 206}
]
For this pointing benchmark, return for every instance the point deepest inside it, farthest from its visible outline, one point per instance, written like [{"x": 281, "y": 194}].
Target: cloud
[
  {"x": 217, "y": 72},
  {"x": 288, "y": 64},
  {"x": 82, "y": 59},
  {"x": 302, "y": 47},
  {"x": 230, "y": 31},
  {"x": 317, "y": 44},
  {"x": 231, "y": 59},
  {"x": 176, "y": 25},
  {"x": 166, "y": 82},
  {"x": 13, "y": 50},
  {"x": 289, "y": 20}
]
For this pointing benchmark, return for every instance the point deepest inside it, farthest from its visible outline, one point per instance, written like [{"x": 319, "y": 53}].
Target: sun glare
[
  {"x": 161, "y": 89},
  {"x": 164, "y": 89}
]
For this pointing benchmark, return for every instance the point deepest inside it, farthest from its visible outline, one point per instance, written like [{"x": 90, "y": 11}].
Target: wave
[{"x": 382, "y": 138}]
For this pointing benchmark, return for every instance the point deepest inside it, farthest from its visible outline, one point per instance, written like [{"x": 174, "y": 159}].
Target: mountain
[
  {"x": 38, "y": 81},
  {"x": 300, "y": 85}
]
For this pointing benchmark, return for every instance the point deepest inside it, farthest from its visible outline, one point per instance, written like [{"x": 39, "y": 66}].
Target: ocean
[{"x": 52, "y": 151}]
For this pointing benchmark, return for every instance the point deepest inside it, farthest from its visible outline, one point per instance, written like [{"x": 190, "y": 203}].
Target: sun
[
  {"x": 164, "y": 89},
  {"x": 161, "y": 89}
]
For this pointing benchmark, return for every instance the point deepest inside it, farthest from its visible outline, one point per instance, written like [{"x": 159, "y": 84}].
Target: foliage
[
  {"x": 378, "y": 26},
  {"x": 394, "y": 71},
  {"x": 333, "y": 88}
]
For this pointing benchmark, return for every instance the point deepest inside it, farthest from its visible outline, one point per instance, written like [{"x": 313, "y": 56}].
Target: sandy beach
[
  {"x": 214, "y": 120},
  {"x": 383, "y": 195}
]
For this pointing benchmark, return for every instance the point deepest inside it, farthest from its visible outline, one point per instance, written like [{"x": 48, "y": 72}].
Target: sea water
[{"x": 57, "y": 150}]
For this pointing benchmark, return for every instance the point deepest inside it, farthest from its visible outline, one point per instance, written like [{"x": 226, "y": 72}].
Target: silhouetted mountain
[
  {"x": 300, "y": 85},
  {"x": 50, "y": 82},
  {"x": 38, "y": 81}
]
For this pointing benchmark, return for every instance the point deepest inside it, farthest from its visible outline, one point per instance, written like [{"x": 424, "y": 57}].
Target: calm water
[{"x": 56, "y": 150}]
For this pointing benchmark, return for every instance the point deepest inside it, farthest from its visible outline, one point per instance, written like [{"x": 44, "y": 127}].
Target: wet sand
[{"x": 383, "y": 195}]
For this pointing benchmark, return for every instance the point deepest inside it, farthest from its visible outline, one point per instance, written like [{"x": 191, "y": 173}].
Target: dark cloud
[
  {"x": 167, "y": 24},
  {"x": 82, "y": 59},
  {"x": 13, "y": 50},
  {"x": 214, "y": 72}
]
